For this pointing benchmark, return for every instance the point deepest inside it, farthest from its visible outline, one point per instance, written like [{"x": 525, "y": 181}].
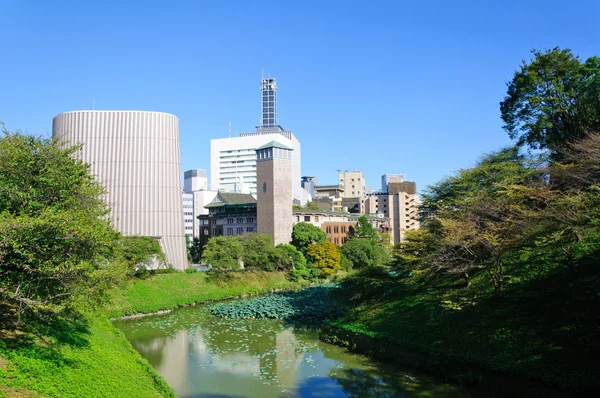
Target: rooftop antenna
[{"x": 230, "y": 129}]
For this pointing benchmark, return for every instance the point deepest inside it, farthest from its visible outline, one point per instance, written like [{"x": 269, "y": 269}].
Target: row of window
[
  {"x": 240, "y": 220},
  {"x": 188, "y": 213},
  {"x": 336, "y": 229},
  {"x": 238, "y": 230}
]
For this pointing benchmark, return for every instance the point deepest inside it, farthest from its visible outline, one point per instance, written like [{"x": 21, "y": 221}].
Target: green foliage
[
  {"x": 195, "y": 250},
  {"x": 91, "y": 359},
  {"x": 56, "y": 242},
  {"x": 169, "y": 291},
  {"x": 140, "y": 251},
  {"x": 223, "y": 252},
  {"x": 324, "y": 257},
  {"x": 363, "y": 228},
  {"x": 305, "y": 234},
  {"x": 311, "y": 305},
  {"x": 365, "y": 252},
  {"x": 259, "y": 252},
  {"x": 553, "y": 100}
]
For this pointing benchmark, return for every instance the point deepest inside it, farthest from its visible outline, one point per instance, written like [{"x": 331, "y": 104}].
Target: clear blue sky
[{"x": 400, "y": 87}]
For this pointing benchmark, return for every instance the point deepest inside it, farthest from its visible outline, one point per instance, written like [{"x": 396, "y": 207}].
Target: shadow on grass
[
  {"x": 41, "y": 337},
  {"x": 547, "y": 329}
]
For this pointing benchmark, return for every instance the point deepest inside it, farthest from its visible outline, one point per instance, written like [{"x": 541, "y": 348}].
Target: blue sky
[{"x": 407, "y": 87}]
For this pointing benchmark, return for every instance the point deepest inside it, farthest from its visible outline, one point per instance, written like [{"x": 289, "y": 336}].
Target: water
[{"x": 200, "y": 355}]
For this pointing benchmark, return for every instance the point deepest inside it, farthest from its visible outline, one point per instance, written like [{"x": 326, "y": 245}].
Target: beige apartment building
[{"x": 353, "y": 184}]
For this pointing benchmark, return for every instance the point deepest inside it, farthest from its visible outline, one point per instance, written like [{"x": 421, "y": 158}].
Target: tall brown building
[{"x": 274, "y": 191}]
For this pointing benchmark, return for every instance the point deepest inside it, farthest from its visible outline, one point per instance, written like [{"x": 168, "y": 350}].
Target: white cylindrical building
[{"x": 135, "y": 156}]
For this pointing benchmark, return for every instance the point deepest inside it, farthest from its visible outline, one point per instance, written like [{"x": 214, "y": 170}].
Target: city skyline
[{"x": 387, "y": 88}]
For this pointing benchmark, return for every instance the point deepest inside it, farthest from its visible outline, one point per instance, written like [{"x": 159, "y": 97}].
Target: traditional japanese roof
[{"x": 230, "y": 198}]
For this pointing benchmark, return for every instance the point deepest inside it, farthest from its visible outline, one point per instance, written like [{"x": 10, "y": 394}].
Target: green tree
[
  {"x": 363, "y": 228},
  {"x": 140, "y": 251},
  {"x": 223, "y": 252},
  {"x": 56, "y": 243},
  {"x": 259, "y": 251},
  {"x": 305, "y": 234},
  {"x": 324, "y": 257},
  {"x": 553, "y": 100},
  {"x": 365, "y": 252},
  {"x": 195, "y": 250},
  {"x": 417, "y": 247}
]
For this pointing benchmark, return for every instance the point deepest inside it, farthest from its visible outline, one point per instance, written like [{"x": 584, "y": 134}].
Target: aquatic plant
[{"x": 312, "y": 305}]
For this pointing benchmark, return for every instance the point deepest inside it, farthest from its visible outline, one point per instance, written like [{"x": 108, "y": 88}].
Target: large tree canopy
[
  {"x": 305, "y": 234},
  {"x": 56, "y": 244},
  {"x": 553, "y": 100}
]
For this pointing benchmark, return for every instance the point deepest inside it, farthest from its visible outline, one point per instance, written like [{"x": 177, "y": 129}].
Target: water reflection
[{"x": 203, "y": 356}]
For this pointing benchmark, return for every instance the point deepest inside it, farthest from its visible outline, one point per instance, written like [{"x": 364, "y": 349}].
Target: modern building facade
[
  {"x": 135, "y": 156},
  {"x": 309, "y": 183},
  {"x": 195, "y": 196},
  {"x": 274, "y": 198},
  {"x": 387, "y": 178},
  {"x": 353, "y": 183},
  {"x": 195, "y": 180}
]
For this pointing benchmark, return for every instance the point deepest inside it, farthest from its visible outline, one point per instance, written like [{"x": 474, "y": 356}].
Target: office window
[
  {"x": 205, "y": 231},
  {"x": 249, "y": 229},
  {"x": 316, "y": 218},
  {"x": 230, "y": 221},
  {"x": 306, "y": 218},
  {"x": 229, "y": 231},
  {"x": 335, "y": 229},
  {"x": 240, "y": 230},
  {"x": 250, "y": 220},
  {"x": 240, "y": 220}
]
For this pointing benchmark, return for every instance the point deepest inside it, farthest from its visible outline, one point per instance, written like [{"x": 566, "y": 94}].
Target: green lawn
[
  {"x": 168, "y": 291},
  {"x": 546, "y": 330},
  {"x": 91, "y": 359}
]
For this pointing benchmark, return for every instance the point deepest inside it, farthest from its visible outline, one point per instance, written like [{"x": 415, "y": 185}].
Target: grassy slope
[
  {"x": 546, "y": 330},
  {"x": 94, "y": 360},
  {"x": 167, "y": 291}
]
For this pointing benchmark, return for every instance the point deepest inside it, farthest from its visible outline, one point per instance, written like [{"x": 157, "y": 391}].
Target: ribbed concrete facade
[{"x": 135, "y": 155}]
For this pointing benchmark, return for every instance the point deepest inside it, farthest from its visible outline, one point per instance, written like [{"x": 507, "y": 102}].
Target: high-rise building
[
  {"x": 353, "y": 183},
  {"x": 274, "y": 198},
  {"x": 387, "y": 178},
  {"x": 309, "y": 183},
  {"x": 268, "y": 88},
  {"x": 233, "y": 160},
  {"x": 195, "y": 180},
  {"x": 135, "y": 156},
  {"x": 196, "y": 195}
]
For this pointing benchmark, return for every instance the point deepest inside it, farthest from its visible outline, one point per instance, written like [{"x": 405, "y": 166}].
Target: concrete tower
[
  {"x": 135, "y": 156},
  {"x": 274, "y": 191}
]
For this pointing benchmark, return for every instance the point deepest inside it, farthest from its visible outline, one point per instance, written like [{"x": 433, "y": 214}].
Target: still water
[{"x": 200, "y": 355}]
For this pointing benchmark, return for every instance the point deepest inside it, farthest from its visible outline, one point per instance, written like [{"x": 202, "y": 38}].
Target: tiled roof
[{"x": 230, "y": 198}]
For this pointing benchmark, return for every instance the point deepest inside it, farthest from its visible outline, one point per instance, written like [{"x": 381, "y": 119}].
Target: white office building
[
  {"x": 233, "y": 160},
  {"x": 196, "y": 195}
]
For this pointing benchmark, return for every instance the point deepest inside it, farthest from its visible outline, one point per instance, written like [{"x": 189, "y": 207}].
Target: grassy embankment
[
  {"x": 91, "y": 357},
  {"x": 168, "y": 291},
  {"x": 545, "y": 329},
  {"x": 85, "y": 358}
]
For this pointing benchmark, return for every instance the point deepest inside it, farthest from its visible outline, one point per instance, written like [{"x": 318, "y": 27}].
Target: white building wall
[
  {"x": 188, "y": 215},
  {"x": 135, "y": 156},
  {"x": 241, "y": 176}
]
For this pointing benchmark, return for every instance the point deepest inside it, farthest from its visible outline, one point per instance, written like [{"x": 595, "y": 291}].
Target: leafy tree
[
  {"x": 223, "y": 252},
  {"x": 259, "y": 251},
  {"x": 140, "y": 251},
  {"x": 56, "y": 243},
  {"x": 417, "y": 247},
  {"x": 324, "y": 257},
  {"x": 364, "y": 228},
  {"x": 195, "y": 249},
  {"x": 553, "y": 100},
  {"x": 305, "y": 234},
  {"x": 365, "y": 252}
]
